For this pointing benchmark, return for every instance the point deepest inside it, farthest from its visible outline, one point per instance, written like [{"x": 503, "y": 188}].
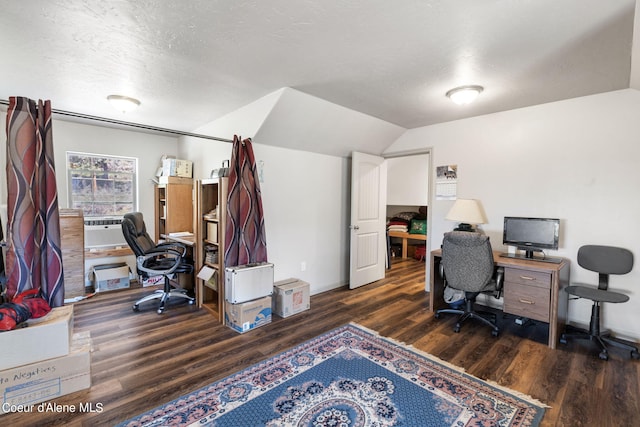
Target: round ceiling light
[
  {"x": 123, "y": 103},
  {"x": 464, "y": 94}
]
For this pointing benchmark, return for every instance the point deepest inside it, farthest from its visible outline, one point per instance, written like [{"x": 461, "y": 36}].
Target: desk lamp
[{"x": 467, "y": 212}]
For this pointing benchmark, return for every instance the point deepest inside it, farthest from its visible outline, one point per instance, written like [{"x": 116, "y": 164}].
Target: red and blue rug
[{"x": 348, "y": 377}]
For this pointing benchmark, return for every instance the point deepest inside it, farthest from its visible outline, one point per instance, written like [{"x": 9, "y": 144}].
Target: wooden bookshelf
[{"x": 210, "y": 220}]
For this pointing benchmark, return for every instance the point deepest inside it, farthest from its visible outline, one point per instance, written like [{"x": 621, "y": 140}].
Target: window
[{"x": 102, "y": 186}]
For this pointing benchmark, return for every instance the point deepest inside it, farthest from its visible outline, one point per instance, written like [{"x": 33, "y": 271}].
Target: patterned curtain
[
  {"x": 245, "y": 240},
  {"x": 34, "y": 257},
  {"x": 3, "y": 277}
]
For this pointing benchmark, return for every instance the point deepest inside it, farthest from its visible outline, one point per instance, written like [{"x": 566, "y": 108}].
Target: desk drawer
[
  {"x": 527, "y": 277},
  {"x": 527, "y": 301}
]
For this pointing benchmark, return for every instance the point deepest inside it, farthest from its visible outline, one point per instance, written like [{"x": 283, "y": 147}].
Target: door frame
[{"x": 430, "y": 192}]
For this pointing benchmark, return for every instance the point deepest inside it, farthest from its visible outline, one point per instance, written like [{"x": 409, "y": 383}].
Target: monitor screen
[{"x": 531, "y": 234}]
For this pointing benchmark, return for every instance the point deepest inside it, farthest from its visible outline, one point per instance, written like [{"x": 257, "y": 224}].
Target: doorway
[
  {"x": 408, "y": 197},
  {"x": 369, "y": 182}
]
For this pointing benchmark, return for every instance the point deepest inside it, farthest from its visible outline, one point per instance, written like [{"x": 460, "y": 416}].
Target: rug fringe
[{"x": 453, "y": 367}]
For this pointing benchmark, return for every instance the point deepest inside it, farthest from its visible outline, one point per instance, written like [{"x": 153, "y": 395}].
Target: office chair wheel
[
  {"x": 135, "y": 307},
  {"x": 437, "y": 315},
  {"x": 456, "y": 328},
  {"x": 495, "y": 333},
  {"x": 160, "y": 310},
  {"x": 635, "y": 354},
  {"x": 604, "y": 355}
]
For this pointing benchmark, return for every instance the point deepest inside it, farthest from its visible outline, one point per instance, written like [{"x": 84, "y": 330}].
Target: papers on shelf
[
  {"x": 205, "y": 273},
  {"x": 181, "y": 234}
]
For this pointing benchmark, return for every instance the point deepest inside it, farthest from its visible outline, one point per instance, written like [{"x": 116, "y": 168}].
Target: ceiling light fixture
[
  {"x": 123, "y": 103},
  {"x": 464, "y": 94}
]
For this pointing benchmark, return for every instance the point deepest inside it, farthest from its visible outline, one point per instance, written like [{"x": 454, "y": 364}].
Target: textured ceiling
[{"x": 190, "y": 62}]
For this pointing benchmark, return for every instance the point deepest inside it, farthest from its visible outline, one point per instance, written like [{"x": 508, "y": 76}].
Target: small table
[{"x": 405, "y": 237}]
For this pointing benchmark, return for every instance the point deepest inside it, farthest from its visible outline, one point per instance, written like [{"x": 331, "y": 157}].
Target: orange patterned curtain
[{"x": 34, "y": 256}]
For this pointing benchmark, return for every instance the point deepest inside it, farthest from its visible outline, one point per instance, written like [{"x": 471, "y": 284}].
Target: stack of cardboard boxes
[
  {"x": 43, "y": 361},
  {"x": 247, "y": 290},
  {"x": 252, "y": 296}
]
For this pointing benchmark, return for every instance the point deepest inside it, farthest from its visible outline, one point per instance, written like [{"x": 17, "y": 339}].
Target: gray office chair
[
  {"x": 467, "y": 264},
  {"x": 604, "y": 260}
]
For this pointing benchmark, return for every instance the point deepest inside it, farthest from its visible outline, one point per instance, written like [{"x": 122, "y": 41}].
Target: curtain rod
[{"x": 130, "y": 124}]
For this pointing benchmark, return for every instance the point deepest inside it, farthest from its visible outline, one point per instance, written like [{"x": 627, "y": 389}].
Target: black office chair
[
  {"x": 467, "y": 265},
  {"x": 163, "y": 259},
  {"x": 604, "y": 260}
]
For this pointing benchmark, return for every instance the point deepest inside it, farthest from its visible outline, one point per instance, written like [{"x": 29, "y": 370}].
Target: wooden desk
[
  {"x": 186, "y": 281},
  {"x": 187, "y": 240},
  {"x": 405, "y": 237},
  {"x": 532, "y": 289}
]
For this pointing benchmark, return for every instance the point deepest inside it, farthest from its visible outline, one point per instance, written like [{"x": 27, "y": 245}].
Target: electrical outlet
[{"x": 303, "y": 266}]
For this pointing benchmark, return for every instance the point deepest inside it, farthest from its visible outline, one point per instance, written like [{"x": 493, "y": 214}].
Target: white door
[{"x": 368, "y": 219}]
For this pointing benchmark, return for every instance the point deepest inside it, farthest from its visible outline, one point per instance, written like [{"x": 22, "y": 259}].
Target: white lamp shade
[{"x": 467, "y": 211}]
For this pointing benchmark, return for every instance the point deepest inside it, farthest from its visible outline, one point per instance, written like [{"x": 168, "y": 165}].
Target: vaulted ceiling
[{"x": 190, "y": 62}]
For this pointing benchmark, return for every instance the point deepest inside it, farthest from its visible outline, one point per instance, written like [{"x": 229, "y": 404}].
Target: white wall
[
  {"x": 147, "y": 148},
  {"x": 305, "y": 200},
  {"x": 306, "y": 196},
  {"x": 408, "y": 180},
  {"x": 303, "y": 122},
  {"x": 575, "y": 159}
]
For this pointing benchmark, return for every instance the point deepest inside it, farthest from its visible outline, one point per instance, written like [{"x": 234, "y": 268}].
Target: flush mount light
[
  {"x": 464, "y": 94},
  {"x": 123, "y": 103}
]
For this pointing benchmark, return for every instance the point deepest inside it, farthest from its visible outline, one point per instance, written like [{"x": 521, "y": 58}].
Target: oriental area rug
[{"x": 348, "y": 377}]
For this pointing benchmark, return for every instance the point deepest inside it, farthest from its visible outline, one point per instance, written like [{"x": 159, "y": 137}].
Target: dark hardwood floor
[{"x": 141, "y": 360}]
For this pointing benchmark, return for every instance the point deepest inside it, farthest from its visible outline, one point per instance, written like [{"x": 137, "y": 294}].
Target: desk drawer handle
[
  {"x": 527, "y": 278},
  {"x": 525, "y": 301}
]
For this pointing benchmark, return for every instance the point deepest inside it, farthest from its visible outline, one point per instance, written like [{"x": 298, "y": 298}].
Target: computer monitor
[{"x": 531, "y": 234}]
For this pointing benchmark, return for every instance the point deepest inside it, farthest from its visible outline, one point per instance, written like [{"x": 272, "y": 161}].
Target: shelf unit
[
  {"x": 173, "y": 206},
  {"x": 72, "y": 245},
  {"x": 211, "y": 194}
]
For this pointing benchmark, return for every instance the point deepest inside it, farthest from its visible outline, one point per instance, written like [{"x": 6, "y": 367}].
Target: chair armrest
[
  {"x": 157, "y": 251},
  {"x": 176, "y": 246},
  {"x": 499, "y": 278},
  {"x": 157, "y": 271}
]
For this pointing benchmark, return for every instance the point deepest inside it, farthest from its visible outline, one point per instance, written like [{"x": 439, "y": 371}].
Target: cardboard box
[
  {"x": 48, "y": 379},
  {"x": 109, "y": 277},
  {"x": 177, "y": 167},
  {"x": 248, "y": 315},
  {"x": 290, "y": 296},
  {"x": 212, "y": 232},
  {"x": 44, "y": 338}
]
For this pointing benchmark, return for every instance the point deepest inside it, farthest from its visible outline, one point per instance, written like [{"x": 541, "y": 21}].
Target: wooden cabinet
[
  {"x": 211, "y": 214},
  {"x": 527, "y": 293},
  {"x": 174, "y": 206},
  {"x": 72, "y": 246}
]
